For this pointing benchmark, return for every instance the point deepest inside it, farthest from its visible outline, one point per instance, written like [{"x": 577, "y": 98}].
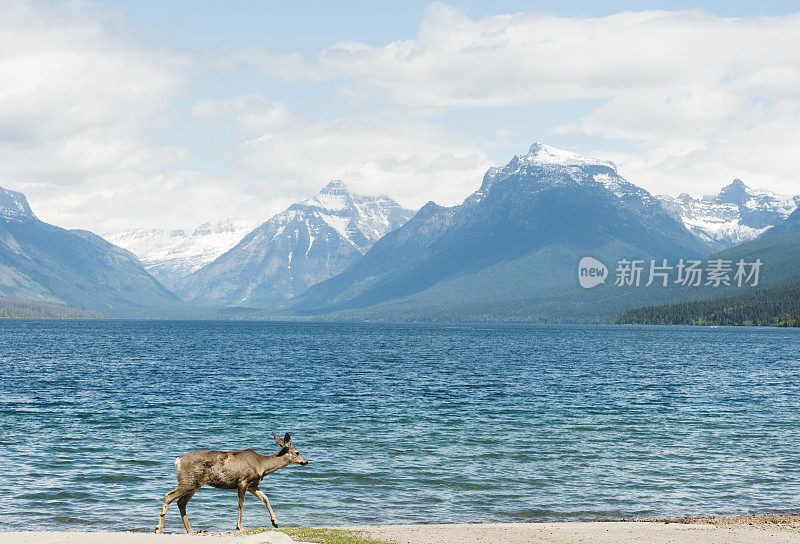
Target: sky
[{"x": 151, "y": 114}]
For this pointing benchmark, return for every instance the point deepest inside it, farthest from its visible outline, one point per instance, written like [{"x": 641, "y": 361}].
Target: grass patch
[{"x": 324, "y": 536}]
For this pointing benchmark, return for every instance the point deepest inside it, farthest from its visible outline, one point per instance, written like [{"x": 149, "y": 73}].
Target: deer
[{"x": 240, "y": 470}]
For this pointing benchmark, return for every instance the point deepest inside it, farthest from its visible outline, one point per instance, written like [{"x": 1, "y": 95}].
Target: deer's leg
[
  {"x": 263, "y": 496},
  {"x": 168, "y": 498},
  {"x": 241, "y": 490},
  {"x": 182, "y": 501}
]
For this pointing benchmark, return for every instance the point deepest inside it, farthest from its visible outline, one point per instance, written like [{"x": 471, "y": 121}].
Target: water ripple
[{"x": 402, "y": 423}]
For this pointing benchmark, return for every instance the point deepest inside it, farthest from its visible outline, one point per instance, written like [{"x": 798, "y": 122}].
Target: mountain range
[
  {"x": 510, "y": 250},
  {"x": 737, "y": 214},
  {"x": 307, "y": 243},
  {"x": 171, "y": 255}
]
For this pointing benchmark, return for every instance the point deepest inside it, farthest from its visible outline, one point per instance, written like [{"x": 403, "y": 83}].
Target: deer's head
[{"x": 292, "y": 455}]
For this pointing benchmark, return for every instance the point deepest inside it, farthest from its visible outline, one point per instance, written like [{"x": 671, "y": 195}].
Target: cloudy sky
[{"x": 134, "y": 113}]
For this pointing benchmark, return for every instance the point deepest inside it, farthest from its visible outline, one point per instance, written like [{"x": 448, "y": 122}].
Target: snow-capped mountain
[
  {"x": 14, "y": 206},
  {"x": 510, "y": 250},
  {"x": 736, "y": 215},
  {"x": 170, "y": 255},
  {"x": 556, "y": 167},
  {"x": 307, "y": 243}
]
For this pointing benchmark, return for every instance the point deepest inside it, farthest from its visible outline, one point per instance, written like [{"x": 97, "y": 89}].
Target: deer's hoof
[{"x": 275, "y": 524}]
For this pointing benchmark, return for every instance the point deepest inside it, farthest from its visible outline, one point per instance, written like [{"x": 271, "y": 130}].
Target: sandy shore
[
  {"x": 605, "y": 532},
  {"x": 716, "y": 530}
]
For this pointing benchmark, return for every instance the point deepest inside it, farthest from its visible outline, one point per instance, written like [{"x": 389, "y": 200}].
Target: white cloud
[
  {"x": 251, "y": 115},
  {"x": 98, "y": 128},
  {"x": 412, "y": 159},
  {"x": 759, "y": 145},
  {"x": 693, "y": 114},
  {"x": 66, "y": 74},
  {"x": 773, "y": 82},
  {"x": 77, "y": 100},
  {"x": 534, "y": 57},
  {"x": 703, "y": 98}
]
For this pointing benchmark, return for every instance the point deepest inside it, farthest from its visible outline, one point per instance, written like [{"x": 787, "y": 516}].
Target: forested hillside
[
  {"x": 778, "y": 306},
  {"x": 18, "y": 307}
]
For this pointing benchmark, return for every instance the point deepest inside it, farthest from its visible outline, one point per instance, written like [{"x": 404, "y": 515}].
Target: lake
[{"x": 401, "y": 423}]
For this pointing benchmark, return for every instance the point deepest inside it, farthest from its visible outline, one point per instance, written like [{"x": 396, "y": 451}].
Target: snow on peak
[
  {"x": 735, "y": 215},
  {"x": 14, "y": 206},
  {"x": 547, "y": 166},
  {"x": 171, "y": 254},
  {"x": 544, "y": 154},
  {"x": 360, "y": 220},
  {"x": 333, "y": 198},
  {"x": 336, "y": 186},
  {"x": 739, "y": 194}
]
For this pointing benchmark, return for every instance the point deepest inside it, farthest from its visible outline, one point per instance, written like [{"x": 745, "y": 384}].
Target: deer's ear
[
  {"x": 278, "y": 441},
  {"x": 287, "y": 440}
]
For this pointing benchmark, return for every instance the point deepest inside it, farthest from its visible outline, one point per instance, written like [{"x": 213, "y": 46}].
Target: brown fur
[{"x": 240, "y": 470}]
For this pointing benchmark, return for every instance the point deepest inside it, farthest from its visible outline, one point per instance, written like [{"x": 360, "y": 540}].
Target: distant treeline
[
  {"x": 776, "y": 307},
  {"x": 18, "y": 307}
]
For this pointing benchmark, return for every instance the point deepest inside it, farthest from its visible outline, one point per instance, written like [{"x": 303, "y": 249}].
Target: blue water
[{"x": 401, "y": 423}]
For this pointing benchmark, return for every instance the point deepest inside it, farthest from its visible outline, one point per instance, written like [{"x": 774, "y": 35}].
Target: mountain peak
[
  {"x": 547, "y": 165},
  {"x": 309, "y": 242},
  {"x": 14, "y": 206},
  {"x": 737, "y": 214},
  {"x": 540, "y": 153},
  {"x": 734, "y": 193},
  {"x": 334, "y": 187}
]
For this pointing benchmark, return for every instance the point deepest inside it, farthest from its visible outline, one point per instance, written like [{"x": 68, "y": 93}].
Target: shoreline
[{"x": 764, "y": 529}]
